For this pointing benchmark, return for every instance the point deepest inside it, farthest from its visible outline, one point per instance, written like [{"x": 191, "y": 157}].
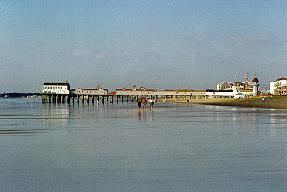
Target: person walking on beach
[
  {"x": 139, "y": 103},
  {"x": 151, "y": 103},
  {"x": 144, "y": 102}
]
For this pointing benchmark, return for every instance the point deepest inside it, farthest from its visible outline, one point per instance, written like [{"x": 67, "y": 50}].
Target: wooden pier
[
  {"x": 106, "y": 99},
  {"x": 88, "y": 99},
  {"x": 54, "y": 93}
]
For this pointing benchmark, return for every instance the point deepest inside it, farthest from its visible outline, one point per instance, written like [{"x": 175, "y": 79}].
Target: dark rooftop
[{"x": 55, "y": 83}]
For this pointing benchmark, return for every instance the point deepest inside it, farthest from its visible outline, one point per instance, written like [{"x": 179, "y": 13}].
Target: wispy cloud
[
  {"x": 276, "y": 40},
  {"x": 101, "y": 55},
  {"x": 81, "y": 52}
]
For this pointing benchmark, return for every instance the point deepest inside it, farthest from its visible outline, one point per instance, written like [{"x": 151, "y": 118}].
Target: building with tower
[
  {"x": 241, "y": 88},
  {"x": 255, "y": 85}
]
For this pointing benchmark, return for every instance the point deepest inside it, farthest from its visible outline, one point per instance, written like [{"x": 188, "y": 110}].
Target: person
[
  {"x": 151, "y": 103},
  {"x": 149, "y": 100},
  {"x": 144, "y": 102},
  {"x": 139, "y": 103}
]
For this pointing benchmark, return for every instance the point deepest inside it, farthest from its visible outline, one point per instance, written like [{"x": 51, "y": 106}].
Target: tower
[
  {"x": 255, "y": 85},
  {"x": 246, "y": 82}
]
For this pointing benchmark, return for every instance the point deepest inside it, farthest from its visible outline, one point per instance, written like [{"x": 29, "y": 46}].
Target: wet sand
[{"x": 116, "y": 147}]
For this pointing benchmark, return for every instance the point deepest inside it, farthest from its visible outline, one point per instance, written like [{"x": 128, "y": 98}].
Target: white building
[
  {"x": 219, "y": 93},
  {"x": 56, "y": 88},
  {"x": 272, "y": 87},
  {"x": 224, "y": 85},
  {"x": 239, "y": 89},
  {"x": 279, "y": 87}
]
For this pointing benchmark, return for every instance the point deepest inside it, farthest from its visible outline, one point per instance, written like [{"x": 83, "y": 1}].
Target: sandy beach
[{"x": 274, "y": 102}]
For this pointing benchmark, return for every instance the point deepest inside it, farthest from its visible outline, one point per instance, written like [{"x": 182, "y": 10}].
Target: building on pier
[
  {"x": 90, "y": 91},
  {"x": 135, "y": 91},
  {"x": 55, "y": 92},
  {"x": 56, "y": 88}
]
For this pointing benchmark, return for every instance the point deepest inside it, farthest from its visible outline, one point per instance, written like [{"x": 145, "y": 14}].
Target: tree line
[{"x": 13, "y": 95}]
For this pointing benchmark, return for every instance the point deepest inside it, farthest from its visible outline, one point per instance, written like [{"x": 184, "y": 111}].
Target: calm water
[{"x": 119, "y": 148}]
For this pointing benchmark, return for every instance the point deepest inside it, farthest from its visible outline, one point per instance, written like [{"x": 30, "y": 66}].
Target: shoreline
[{"x": 271, "y": 102}]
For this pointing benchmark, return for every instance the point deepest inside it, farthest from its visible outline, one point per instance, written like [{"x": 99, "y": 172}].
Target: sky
[{"x": 152, "y": 43}]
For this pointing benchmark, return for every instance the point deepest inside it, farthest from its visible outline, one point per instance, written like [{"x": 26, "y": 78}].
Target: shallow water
[{"x": 116, "y": 147}]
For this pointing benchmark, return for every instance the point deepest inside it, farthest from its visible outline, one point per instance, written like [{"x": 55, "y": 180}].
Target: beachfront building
[
  {"x": 236, "y": 92},
  {"x": 224, "y": 85},
  {"x": 210, "y": 93},
  {"x": 239, "y": 89},
  {"x": 91, "y": 91},
  {"x": 279, "y": 87},
  {"x": 57, "y": 88}
]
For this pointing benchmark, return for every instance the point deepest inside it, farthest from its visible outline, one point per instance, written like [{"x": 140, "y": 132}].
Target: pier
[
  {"x": 108, "y": 98},
  {"x": 60, "y": 93}
]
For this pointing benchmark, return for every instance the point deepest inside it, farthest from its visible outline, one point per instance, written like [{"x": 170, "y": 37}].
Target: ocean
[{"x": 117, "y": 147}]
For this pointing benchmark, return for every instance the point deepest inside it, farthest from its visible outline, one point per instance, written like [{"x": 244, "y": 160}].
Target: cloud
[
  {"x": 270, "y": 40},
  {"x": 101, "y": 55},
  {"x": 80, "y": 52}
]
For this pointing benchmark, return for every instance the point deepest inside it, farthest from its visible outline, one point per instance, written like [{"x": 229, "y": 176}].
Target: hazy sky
[{"x": 157, "y": 44}]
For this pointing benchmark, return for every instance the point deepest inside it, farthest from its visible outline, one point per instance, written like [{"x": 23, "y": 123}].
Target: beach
[
  {"x": 275, "y": 102},
  {"x": 270, "y": 102}
]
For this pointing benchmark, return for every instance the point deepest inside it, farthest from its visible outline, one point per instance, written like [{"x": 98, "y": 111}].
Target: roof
[
  {"x": 213, "y": 90},
  {"x": 124, "y": 89},
  {"x": 92, "y": 89},
  {"x": 255, "y": 79},
  {"x": 138, "y": 89},
  {"x": 281, "y": 78},
  {"x": 55, "y": 83},
  {"x": 246, "y": 90},
  {"x": 179, "y": 90}
]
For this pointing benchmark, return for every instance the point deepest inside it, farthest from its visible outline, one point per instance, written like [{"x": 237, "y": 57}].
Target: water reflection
[
  {"x": 87, "y": 147},
  {"x": 56, "y": 113},
  {"x": 146, "y": 115},
  {"x": 234, "y": 114},
  {"x": 139, "y": 115}
]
